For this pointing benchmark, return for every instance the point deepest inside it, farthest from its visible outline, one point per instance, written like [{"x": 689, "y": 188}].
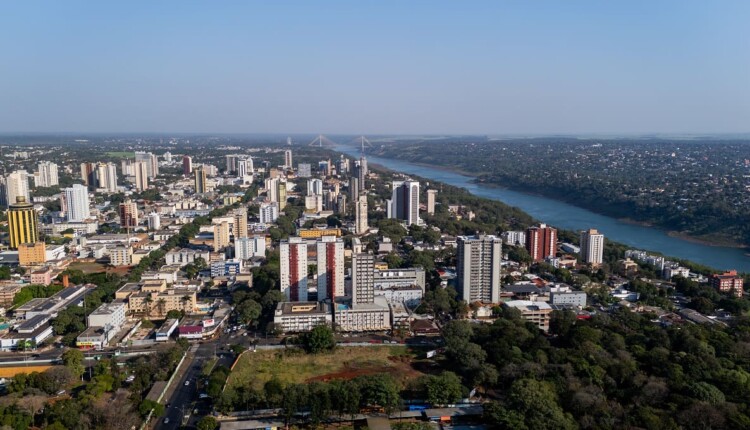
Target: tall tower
[
  {"x": 240, "y": 223},
  {"x": 592, "y": 247},
  {"x": 405, "y": 202},
  {"x": 106, "y": 175},
  {"x": 141, "y": 175},
  {"x": 23, "y": 226},
  {"x": 288, "y": 159},
  {"x": 77, "y": 202},
  {"x": 48, "y": 175},
  {"x": 17, "y": 185},
  {"x": 281, "y": 193},
  {"x": 128, "y": 214},
  {"x": 541, "y": 242},
  {"x": 361, "y": 215},
  {"x": 221, "y": 236},
  {"x": 431, "y": 201},
  {"x": 363, "y": 279},
  {"x": 478, "y": 268},
  {"x": 187, "y": 165},
  {"x": 362, "y": 172},
  {"x": 330, "y": 267},
  {"x": 200, "y": 180},
  {"x": 88, "y": 174},
  {"x": 154, "y": 221},
  {"x": 293, "y": 269}
]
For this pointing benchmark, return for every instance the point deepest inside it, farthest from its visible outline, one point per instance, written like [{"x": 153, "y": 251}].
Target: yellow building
[
  {"x": 221, "y": 236},
  {"x": 30, "y": 254},
  {"x": 317, "y": 233},
  {"x": 159, "y": 303},
  {"x": 23, "y": 225},
  {"x": 282, "y": 195}
]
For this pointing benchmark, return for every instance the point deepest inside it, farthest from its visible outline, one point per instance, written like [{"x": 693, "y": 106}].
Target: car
[
  {"x": 166, "y": 420},
  {"x": 61, "y": 392},
  {"x": 187, "y": 383}
]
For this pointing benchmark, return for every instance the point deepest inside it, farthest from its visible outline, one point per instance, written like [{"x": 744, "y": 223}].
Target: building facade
[
  {"x": 541, "y": 242},
  {"x": 330, "y": 267},
  {"x": 478, "y": 268},
  {"x": 293, "y": 265}
]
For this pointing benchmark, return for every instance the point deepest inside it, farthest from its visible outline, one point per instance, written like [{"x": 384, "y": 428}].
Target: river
[{"x": 569, "y": 217}]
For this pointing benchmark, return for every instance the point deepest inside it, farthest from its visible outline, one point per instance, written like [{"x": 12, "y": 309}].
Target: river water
[{"x": 562, "y": 215}]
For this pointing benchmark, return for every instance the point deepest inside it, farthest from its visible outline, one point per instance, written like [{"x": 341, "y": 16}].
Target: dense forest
[{"x": 697, "y": 188}]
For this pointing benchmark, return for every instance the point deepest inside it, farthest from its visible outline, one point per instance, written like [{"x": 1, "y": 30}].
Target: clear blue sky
[{"x": 377, "y": 67}]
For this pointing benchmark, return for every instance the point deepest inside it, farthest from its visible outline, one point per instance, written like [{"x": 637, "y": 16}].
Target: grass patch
[{"x": 295, "y": 367}]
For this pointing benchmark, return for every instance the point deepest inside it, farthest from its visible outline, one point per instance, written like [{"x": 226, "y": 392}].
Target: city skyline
[{"x": 386, "y": 68}]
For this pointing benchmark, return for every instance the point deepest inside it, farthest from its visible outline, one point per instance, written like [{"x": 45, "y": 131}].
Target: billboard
[{"x": 209, "y": 322}]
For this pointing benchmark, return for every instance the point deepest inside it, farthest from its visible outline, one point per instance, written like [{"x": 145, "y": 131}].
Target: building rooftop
[{"x": 528, "y": 304}]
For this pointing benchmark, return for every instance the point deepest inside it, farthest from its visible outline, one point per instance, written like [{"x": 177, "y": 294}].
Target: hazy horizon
[{"x": 514, "y": 68}]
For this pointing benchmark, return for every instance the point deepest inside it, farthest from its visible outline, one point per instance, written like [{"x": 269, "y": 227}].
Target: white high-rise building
[
  {"x": 141, "y": 175},
  {"x": 269, "y": 213},
  {"x": 246, "y": 248},
  {"x": 17, "y": 184},
  {"x": 154, "y": 221},
  {"x": 128, "y": 167},
  {"x": 514, "y": 238},
  {"x": 304, "y": 170},
  {"x": 288, "y": 159},
  {"x": 272, "y": 189},
  {"x": 361, "y": 225},
  {"x": 592, "y": 247},
  {"x": 314, "y": 187},
  {"x": 46, "y": 175},
  {"x": 232, "y": 163},
  {"x": 245, "y": 169},
  {"x": 106, "y": 176},
  {"x": 77, "y": 203},
  {"x": 330, "y": 267},
  {"x": 152, "y": 163},
  {"x": 431, "y": 201},
  {"x": 478, "y": 268},
  {"x": 363, "y": 279},
  {"x": 293, "y": 269},
  {"x": 167, "y": 157},
  {"x": 404, "y": 203}
]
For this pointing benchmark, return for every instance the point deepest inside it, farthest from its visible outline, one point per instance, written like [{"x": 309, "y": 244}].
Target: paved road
[{"x": 183, "y": 399}]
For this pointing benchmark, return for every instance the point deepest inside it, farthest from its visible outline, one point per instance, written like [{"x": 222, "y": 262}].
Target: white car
[
  {"x": 187, "y": 383},
  {"x": 166, "y": 420}
]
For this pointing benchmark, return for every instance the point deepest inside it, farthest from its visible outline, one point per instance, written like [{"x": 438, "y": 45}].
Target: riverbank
[{"x": 570, "y": 217}]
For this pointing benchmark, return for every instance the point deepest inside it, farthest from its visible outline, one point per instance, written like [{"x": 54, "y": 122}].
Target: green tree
[
  {"x": 249, "y": 311},
  {"x": 319, "y": 339},
  {"x": 443, "y": 389},
  {"x": 73, "y": 359},
  {"x": 207, "y": 423}
]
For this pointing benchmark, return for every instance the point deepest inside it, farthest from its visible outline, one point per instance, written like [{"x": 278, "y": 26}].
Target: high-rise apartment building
[
  {"x": 232, "y": 163},
  {"x": 478, "y": 268},
  {"x": 404, "y": 203},
  {"x": 541, "y": 242},
  {"x": 128, "y": 167},
  {"x": 17, "y": 185},
  {"x": 46, "y": 175},
  {"x": 245, "y": 167},
  {"x": 272, "y": 189},
  {"x": 360, "y": 215},
  {"x": 221, "y": 236},
  {"x": 288, "y": 159},
  {"x": 330, "y": 267},
  {"x": 314, "y": 187},
  {"x": 200, "y": 180},
  {"x": 246, "y": 248},
  {"x": 88, "y": 174},
  {"x": 592, "y": 247},
  {"x": 128, "y": 211},
  {"x": 23, "y": 225},
  {"x": 281, "y": 194},
  {"x": 431, "y": 201},
  {"x": 362, "y": 172},
  {"x": 240, "y": 223},
  {"x": 77, "y": 203},
  {"x": 269, "y": 213},
  {"x": 154, "y": 221},
  {"x": 141, "y": 175},
  {"x": 151, "y": 160},
  {"x": 187, "y": 165},
  {"x": 363, "y": 279},
  {"x": 106, "y": 177},
  {"x": 293, "y": 269}
]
